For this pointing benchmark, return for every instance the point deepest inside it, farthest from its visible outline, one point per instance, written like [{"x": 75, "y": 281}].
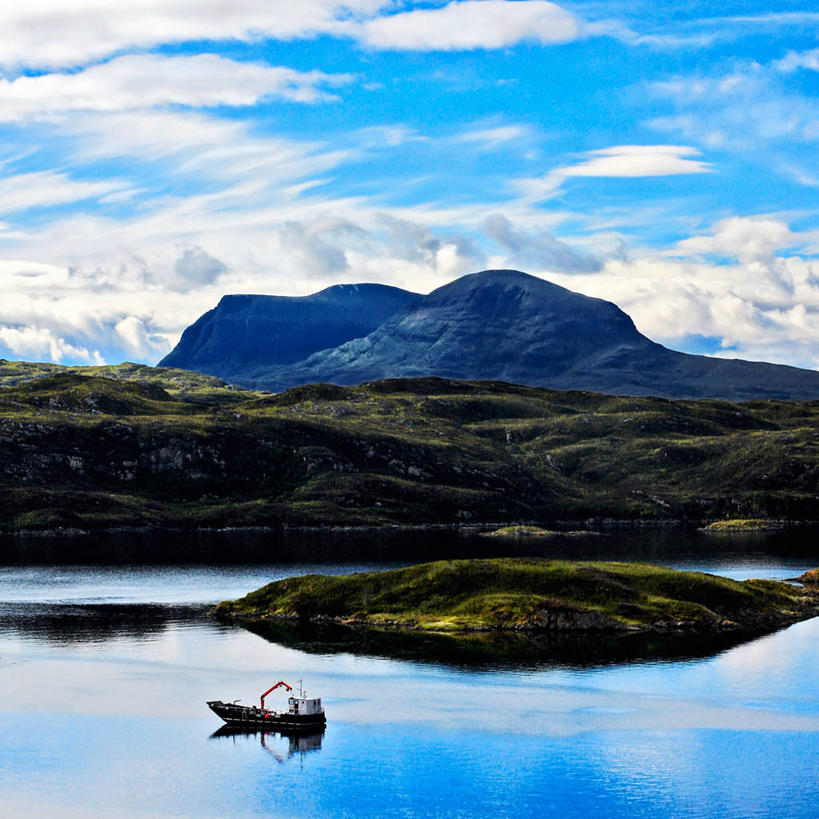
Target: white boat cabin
[{"x": 304, "y": 706}]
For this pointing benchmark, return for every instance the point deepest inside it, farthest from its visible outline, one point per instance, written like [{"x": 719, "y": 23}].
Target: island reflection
[
  {"x": 67, "y": 624},
  {"x": 494, "y": 650}
]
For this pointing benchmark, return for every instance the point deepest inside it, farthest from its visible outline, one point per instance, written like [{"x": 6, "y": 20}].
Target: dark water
[
  {"x": 266, "y": 546},
  {"x": 104, "y": 673}
]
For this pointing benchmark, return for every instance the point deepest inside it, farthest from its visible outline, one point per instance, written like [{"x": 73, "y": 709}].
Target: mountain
[
  {"x": 497, "y": 324},
  {"x": 243, "y": 336}
]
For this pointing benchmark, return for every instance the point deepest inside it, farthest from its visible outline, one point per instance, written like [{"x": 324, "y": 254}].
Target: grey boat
[{"x": 303, "y": 713}]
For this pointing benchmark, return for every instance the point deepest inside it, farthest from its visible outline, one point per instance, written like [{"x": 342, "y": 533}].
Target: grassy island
[
  {"x": 531, "y": 595},
  {"x": 743, "y": 525},
  {"x": 520, "y": 531}
]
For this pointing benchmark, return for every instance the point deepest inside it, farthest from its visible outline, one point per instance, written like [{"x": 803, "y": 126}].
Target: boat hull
[{"x": 249, "y": 716}]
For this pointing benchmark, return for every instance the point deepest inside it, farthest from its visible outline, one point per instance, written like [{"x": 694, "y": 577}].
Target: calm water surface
[{"x": 104, "y": 673}]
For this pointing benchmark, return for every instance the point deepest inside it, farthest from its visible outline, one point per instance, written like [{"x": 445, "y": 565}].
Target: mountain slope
[
  {"x": 244, "y": 335},
  {"x": 499, "y": 325},
  {"x": 84, "y": 452}
]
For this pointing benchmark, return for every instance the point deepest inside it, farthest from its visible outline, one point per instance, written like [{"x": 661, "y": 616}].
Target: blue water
[{"x": 104, "y": 674}]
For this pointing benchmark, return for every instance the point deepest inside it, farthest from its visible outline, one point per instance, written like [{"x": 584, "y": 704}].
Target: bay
[{"x": 105, "y": 670}]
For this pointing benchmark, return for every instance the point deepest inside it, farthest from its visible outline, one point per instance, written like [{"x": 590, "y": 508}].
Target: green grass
[
  {"x": 529, "y": 594},
  {"x": 521, "y": 530},
  {"x": 741, "y": 525}
]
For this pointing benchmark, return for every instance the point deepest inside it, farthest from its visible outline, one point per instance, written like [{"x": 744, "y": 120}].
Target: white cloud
[
  {"x": 53, "y": 33},
  {"x": 493, "y": 137},
  {"x": 140, "y": 81},
  {"x": 760, "y": 303},
  {"x": 745, "y": 239},
  {"x": 138, "y": 342},
  {"x": 618, "y": 161},
  {"x": 795, "y": 60},
  {"x": 40, "y": 343},
  {"x": 47, "y": 188},
  {"x": 472, "y": 24},
  {"x": 638, "y": 161},
  {"x": 203, "y": 146}
]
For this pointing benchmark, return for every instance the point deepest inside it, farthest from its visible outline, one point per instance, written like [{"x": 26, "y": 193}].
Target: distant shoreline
[{"x": 557, "y": 528}]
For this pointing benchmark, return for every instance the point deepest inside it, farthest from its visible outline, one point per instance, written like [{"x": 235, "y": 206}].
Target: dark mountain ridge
[
  {"x": 246, "y": 334},
  {"x": 497, "y": 324}
]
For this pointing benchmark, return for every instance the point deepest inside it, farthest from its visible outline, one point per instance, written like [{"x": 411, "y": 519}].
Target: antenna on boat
[{"x": 301, "y": 689}]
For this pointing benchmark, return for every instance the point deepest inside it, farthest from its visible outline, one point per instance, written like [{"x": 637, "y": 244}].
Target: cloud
[
  {"x": 452, "y": 254},
  {"x": 741, "y": 110},
  {"x": 618, "y": 161},
  {"x": 190, "y": 143},
  {"x": 196, "y": 267},
  {"x": 472, "y": 24},
  {"x": 759, "y": 302},
  {"x": 493, "y": 137},
  {"x": 139, "y": 343},
  {"x": 537, "y": 250},
  {"x": 315, "y": 249},
  {"x": 745, "y": 239},
  {"x": 638, "y": 161},
  {"x": 40, "y": 343},
  {"x": 796, "y": 60},
  {"x": 52, "y": 33},
  {"x": 140, "y": 81},
  {"x": 46, "y": 188}
]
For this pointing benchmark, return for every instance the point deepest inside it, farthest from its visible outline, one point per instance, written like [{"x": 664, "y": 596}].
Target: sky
[{"x": 158, "y": 154}]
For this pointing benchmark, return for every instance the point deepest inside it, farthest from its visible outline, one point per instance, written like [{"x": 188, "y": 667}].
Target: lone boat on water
[{"x": 303, "y": 712}]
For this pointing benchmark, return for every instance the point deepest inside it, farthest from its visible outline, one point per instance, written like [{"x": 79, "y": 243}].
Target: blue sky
[{"x": 157, "y": 155}]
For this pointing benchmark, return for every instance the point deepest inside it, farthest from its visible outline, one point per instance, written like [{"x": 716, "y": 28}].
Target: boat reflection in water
[{"x": 299, "y": 743}]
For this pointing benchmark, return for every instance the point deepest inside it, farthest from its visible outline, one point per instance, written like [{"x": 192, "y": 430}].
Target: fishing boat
[{"x": 303, "y": 712}]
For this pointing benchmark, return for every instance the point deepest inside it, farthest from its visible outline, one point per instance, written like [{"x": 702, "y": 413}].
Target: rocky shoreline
[{"x": 556, "y": 620}]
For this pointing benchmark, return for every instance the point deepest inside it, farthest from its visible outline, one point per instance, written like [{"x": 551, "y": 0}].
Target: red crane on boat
[{"x": 273, "y": 688}]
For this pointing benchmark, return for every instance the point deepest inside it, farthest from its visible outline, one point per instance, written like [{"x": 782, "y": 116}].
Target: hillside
[
  {"x": 183, "y": 383},
  {"x": 89, "y": 451},
  {"x": 497, "y": 324},
  {"x": 530, "y": 594}
]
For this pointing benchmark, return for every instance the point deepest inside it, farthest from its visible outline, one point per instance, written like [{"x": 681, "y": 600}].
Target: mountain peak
[{"x": 495, "y": 324}]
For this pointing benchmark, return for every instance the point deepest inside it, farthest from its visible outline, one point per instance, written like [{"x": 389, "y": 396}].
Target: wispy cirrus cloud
[
  {"x": 38, "y": 189},
  {"x": 739, "y": 108},
  {"x": 490, "y": 137}
]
